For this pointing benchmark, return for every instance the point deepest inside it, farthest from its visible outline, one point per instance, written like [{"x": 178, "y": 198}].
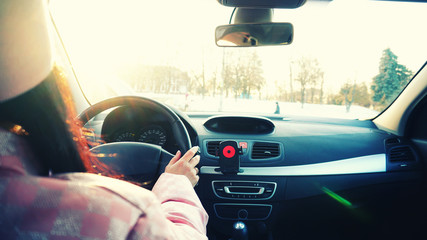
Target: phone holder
[{"x": 229, "y": 157}]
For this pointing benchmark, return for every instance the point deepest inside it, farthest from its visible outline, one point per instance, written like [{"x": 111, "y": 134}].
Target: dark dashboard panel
[
  {"x": 239, "y": 125},
  {"x": 313, "y": 170},
  {"x": 303, "y": 142},
  {"x": 301, "y": 193}
]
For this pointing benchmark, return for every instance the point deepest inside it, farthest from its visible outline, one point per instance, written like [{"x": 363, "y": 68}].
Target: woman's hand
[{"x": 186, "y": 165}]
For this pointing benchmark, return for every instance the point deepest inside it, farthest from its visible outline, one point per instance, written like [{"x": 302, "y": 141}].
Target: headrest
[{"x": 25, "y": 50}]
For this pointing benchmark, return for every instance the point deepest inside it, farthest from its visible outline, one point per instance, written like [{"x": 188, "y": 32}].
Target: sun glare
[{"x": 104, "y": 37}]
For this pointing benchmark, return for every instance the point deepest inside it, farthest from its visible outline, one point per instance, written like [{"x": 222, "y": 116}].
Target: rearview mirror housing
[
  {"x": 254, "y": 34},
  {"x": 263, "y": 3}
]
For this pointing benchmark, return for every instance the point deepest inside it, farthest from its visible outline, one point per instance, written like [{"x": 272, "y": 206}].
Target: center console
[
  {"x": 243, "y": 190},
  {"x": 230, "y": 197}
]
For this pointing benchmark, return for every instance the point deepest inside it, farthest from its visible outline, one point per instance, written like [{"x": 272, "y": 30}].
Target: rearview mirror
[
  {"x": 263, "y": 3},
  {"x": 254, "y": 34}
]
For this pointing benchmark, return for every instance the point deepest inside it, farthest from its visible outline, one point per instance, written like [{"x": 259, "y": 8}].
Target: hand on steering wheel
[{"x": 186, "y": 165}]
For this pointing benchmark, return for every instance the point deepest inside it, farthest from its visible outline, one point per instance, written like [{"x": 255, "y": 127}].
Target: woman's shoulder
[{"x": 136, "y": 195}]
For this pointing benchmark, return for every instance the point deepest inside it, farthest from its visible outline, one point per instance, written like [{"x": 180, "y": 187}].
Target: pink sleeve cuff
[{"x": 180, "y": 202}]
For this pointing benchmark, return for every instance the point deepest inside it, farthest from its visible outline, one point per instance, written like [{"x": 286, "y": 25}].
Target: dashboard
[{"x": 300, "y": 177}]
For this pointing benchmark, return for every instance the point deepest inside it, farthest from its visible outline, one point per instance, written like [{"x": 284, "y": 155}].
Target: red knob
[{"x": 228, "y": 152}]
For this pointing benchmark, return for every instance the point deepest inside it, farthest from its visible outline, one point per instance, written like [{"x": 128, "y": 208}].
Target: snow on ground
[{"x": 232, "y": 105}]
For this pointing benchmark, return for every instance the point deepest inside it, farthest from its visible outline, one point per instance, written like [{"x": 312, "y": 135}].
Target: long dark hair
[
  {"x": 47, "y": 113},
  {"x": 41, "y": 111}
]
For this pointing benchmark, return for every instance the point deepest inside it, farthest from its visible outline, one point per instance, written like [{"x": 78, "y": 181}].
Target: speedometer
[
  {"x": 154, "y": 135},
  {"x": 125, "y": 137}
]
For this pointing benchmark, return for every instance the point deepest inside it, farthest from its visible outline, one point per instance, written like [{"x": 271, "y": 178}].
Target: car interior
[{"x": 273, "y": 176}]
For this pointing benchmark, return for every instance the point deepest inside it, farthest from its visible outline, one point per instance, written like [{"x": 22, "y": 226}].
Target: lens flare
[{"x": 337, "y": 197}]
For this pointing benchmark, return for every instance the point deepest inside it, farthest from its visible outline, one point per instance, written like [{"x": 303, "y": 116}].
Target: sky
[{"x": 346, "y": 36}]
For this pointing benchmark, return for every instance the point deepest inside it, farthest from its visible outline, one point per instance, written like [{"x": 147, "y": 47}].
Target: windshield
[{"x": 348, "y": 59}]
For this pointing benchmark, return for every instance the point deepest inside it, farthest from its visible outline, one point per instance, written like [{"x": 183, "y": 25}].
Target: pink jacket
[{"x": 82, "y": 205}]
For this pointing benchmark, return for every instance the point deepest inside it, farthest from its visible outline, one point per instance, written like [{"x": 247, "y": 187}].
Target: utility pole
[{"x": 290, "y": 82}]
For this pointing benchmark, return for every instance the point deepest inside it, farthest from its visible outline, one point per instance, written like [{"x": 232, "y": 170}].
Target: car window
[{"x": 348, "y": 59}]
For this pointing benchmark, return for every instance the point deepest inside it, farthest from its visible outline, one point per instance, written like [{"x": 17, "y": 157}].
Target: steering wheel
[{"x": 140, "y": 162}]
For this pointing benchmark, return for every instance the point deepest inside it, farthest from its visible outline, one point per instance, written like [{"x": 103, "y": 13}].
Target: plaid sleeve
[
  {"x": 47, "y": 208},
  {"x": 88, "y": 206}
]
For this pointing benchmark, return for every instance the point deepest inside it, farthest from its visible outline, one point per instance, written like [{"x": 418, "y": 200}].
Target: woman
[{"x": 40, "y": 144}]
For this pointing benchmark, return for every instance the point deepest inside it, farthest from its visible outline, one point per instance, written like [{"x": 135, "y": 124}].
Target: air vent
[
  {"x": 391, "y": 141},
  {"x": 212, "y": 147},
  {"x": 401, "y": 154},
  {"x": 263, "y": 150}
]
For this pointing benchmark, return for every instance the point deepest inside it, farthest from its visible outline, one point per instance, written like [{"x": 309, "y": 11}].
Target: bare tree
[
  {"x": 291, "y": 86},
  {"x": 242, "y": 74},
  {"x": 252, "y": 74},
  {"x": 308, "y": 75},
  {"x": 322, "y": 82},
  {"x": 354, "y": 93}
]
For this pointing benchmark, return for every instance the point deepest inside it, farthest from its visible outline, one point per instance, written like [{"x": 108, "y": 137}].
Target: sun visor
[{"x": 25, "y": 50}]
